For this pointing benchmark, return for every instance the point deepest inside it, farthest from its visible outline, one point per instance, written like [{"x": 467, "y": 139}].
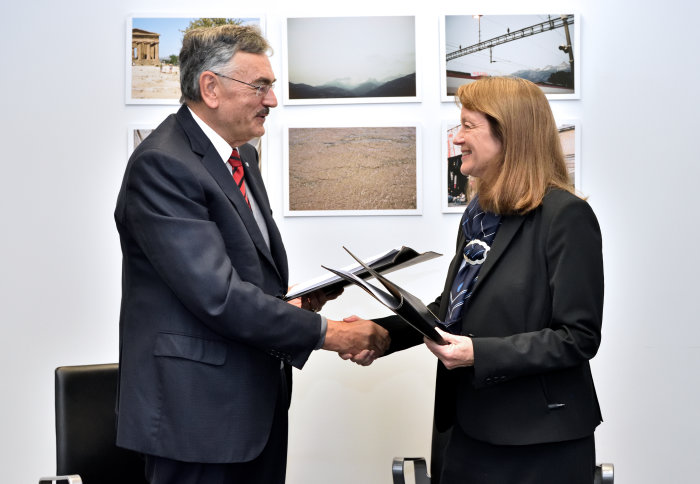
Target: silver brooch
[{"x": 476, "y": 262}]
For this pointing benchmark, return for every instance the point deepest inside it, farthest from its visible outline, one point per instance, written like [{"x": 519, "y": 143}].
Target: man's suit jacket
[
  {"x": 535, "y": 316},
  {"x": 202, "y": 328}
]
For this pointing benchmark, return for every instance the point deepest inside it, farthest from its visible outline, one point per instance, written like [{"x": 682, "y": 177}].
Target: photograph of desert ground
[
  {"x": 155, "y": 82},
  {"x": 352, "y": 168}
]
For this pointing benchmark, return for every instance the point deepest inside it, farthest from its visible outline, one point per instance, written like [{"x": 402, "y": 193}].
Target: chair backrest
[
  {"x": 604, "y": 473},
  {"x": 86, "y": 427}
]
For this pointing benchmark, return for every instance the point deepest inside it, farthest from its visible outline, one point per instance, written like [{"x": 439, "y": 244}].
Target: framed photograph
[
  {"x": 153, "y": 45},
  {"x": 343, "y": 60},
  {"x": 351, "y": 170},
  {"x": 570, "y": 136},
  {"x": 541, "y": 48},
  {"x": 457, "y": 191},
  {"x": 455, "y": 188},
  {"x": 136, "y": 133}
]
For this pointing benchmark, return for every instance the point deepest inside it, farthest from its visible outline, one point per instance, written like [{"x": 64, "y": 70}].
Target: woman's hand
[
  {"x": 363, "y": 358},
  {"x": 459, "y": 350}
]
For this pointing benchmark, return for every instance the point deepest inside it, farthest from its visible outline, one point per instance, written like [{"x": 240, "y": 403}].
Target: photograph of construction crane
[{"x": 540, "y": 48}]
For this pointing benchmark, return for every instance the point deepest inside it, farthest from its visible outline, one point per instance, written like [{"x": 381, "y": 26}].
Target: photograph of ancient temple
[
  {"x": 540, "y": 48},
  {"x": 336, "y": 60},
  {"x": 153, "y": 70}
]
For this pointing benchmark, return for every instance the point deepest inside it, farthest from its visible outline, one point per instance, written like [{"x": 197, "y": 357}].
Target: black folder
[
  {"x": 384, "y": 263},
  {"x": 401, "y": 302}
]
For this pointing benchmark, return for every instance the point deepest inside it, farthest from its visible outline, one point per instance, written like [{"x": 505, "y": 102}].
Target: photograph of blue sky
[
  {"x": 350, "y": 50},
  {"x": 530, "y": 53},
  {"x": 171, "y": 30}
]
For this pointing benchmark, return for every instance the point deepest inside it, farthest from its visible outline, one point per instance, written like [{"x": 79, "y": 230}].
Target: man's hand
[
  {"x": 354, "y": 337},
  {"x": 314, "y": 301},
  {"x": 364, "y": 357}
]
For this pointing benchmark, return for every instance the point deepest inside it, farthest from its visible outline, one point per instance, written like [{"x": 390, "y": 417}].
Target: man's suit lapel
[
  {"x": 255, "y": 185},
  {"x": 212, "y": 162}
]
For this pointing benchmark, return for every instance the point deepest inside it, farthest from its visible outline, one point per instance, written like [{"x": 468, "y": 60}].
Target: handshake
[
  {"x": 355, "y": 339},
  {"x": 364, "y": 341}
]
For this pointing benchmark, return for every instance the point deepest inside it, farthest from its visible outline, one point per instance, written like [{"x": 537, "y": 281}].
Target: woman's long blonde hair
[{"x": 531, "y": 160}]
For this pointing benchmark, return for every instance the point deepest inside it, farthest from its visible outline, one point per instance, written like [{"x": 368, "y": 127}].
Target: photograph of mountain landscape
[
  {"x": 540, "y": 48},
  {"x": 336, "y": 60}
]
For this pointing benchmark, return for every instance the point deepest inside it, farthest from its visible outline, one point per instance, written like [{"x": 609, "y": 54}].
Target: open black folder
[
  {"x": 384, "y": 263},
  {"x": 403, "y": 303}
]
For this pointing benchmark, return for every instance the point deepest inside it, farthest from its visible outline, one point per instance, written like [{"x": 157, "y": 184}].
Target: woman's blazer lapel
[
  {"x": 506, "y": 232},
  {"x": 510, "y": 224}
]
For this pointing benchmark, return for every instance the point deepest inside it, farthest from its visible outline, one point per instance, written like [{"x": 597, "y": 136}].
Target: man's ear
[{"x": 209, "y": 87}]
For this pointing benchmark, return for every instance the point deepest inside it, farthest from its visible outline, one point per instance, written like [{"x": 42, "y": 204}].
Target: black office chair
[
  {"x": 86, "y": 429},
  {"x": 603, "y": 472},
  {"x": 420, "y": 470}
]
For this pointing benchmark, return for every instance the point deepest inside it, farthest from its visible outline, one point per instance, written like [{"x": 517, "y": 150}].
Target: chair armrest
[
  {"x": 419, "y": 467},
  {"x": 604, "y": 474},
  {"x": 72, "y": 479}
]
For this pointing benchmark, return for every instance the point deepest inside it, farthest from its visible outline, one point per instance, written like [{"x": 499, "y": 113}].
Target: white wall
[{"x": 64, "y": 150}]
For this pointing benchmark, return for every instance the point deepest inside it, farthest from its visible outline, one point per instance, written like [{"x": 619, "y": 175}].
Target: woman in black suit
[{"x": 522, "y": 304}]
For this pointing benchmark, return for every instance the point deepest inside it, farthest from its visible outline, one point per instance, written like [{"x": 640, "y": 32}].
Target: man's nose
[{"x": 270, "y": 99}]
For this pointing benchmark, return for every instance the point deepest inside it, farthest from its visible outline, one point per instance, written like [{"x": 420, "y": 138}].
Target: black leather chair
[
  {"x": 86, "y": 429},
  {"x": 603, "y": 472}
]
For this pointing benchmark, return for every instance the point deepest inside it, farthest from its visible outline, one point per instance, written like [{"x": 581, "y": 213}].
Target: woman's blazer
[{"x": 535, "y": 318}]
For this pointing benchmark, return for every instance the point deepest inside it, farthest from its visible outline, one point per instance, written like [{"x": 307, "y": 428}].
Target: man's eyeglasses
[{"x": 261, "y": 90}]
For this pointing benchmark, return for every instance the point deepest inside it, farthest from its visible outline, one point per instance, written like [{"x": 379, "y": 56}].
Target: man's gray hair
[{"x": 211, "y": 49}]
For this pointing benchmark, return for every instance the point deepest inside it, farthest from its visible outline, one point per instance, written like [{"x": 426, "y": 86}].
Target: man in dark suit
[{"x": 206, "y": 342}]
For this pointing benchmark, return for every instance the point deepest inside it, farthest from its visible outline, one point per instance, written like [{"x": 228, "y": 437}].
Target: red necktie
[{"x": 237, "y": 171}]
